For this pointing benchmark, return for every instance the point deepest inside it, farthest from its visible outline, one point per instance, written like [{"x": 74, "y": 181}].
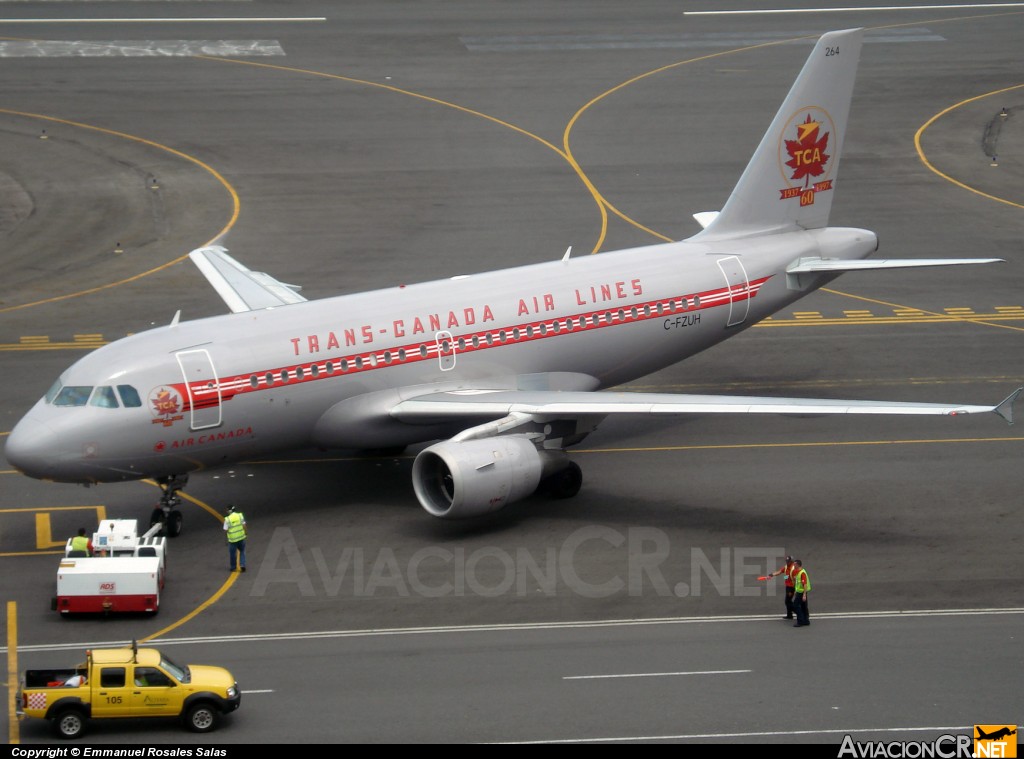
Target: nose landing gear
[{"x": 166, "y": 513}]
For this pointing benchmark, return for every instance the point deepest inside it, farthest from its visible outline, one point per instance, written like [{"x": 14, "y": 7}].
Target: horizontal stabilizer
[
  {"x": 241, "y": 288},
  {"x": 704, "y": 218},
  {"x": 811, "y": 265}
]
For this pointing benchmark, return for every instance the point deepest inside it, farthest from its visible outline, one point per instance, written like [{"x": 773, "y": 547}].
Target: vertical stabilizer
[{"x": 790, "y": 181}]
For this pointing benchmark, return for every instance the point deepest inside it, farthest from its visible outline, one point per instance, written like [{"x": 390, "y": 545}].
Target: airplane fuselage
[{"x": 221, "y": 389}]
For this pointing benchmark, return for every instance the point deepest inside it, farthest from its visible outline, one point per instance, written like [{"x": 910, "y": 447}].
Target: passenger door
[
  {"x": 110, "y": 695},
  {"x": 154, "y": 694}
]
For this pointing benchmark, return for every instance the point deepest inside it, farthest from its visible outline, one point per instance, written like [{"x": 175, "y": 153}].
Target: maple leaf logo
[
  {"x": 164, "y": 402},
  {"x": 807, "y": 156}
]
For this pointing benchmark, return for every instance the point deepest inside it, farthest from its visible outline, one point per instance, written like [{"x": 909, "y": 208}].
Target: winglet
[
  {"x": 1005, "y": 407},
  {"x": 241, "y": 288}
]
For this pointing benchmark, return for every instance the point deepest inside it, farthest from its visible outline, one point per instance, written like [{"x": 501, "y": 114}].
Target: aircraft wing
[
  {"x": 544, "y": 405},
  {"x": 241, "y": 288},
  {"x": 810, "y": 265}
]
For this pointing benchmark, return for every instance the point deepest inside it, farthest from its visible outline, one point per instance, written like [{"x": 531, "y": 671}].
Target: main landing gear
[{"x": 166, "y": 513}]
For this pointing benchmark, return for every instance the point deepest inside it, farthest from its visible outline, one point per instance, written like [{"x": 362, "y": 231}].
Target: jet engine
[{"x": 462, "y": 479}]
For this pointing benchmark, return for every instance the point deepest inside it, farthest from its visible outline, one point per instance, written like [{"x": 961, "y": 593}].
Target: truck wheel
[
  {"x": 202, "y": 717},
  {"x": 70, "y": 723}
]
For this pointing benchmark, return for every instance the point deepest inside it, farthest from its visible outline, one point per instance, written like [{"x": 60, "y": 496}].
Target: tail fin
[{"x": 789, "y": 182}]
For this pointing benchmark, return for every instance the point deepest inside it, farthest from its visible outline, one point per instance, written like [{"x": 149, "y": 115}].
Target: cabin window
[
  {"x": 299, "y": 373},
  {"x": 129, "y": 396},
  {"x": 148, "y": 677},
  {"x": 315, "y": 370},
  {"x": 112, "y": 677},
  {"x": 73, "y": 395},
  {"x": 254, "y": 382},
  {"x": 696, "y": 301},
  {"x": 270, "y": 378},
  {"x": 104, "y": 397},
  {"x": 423, "y": 350}
]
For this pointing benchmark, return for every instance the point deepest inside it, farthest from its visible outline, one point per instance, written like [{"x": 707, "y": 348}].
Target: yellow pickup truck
[{"x": 127, "y": 682}]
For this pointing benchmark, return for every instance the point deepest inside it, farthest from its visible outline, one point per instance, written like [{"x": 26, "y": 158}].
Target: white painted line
[
  {"x": 682, "y": 40},
  {"x": 765, "y": 734},
  {"x": 955, "y": 6},
  {"x": 137, "y": 48},
  {"x": 661, "y": 674},
  {"x": 459, "y": 629}
]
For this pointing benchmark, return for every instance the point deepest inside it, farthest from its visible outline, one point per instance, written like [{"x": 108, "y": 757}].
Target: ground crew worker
[
  {"x": 81, "y": 542},
  {"x": 788, "y": 569},
  {"x": 234, "y": 526},
  {"x": 801, "y": 587}
]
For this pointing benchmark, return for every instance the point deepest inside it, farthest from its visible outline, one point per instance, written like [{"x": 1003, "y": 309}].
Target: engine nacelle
[{"x": 457, "y": 480}]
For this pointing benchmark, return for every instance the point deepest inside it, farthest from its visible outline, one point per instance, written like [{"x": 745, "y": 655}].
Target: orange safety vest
[{"x": 790, "y": 571}]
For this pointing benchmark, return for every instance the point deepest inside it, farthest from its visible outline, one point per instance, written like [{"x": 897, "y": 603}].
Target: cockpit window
[
  {"x": 104, "y": 397},
  {"x": 52, "y": 392},
  {"x": 129, "y": 396},
  {"x": 73, "y": 395}
]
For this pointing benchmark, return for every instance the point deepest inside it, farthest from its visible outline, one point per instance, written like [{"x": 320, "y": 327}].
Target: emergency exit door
[
  {"x": 202, "y": 386},
  {"x": 739, "y": 289},
  {"x": 445, "y": 350}
]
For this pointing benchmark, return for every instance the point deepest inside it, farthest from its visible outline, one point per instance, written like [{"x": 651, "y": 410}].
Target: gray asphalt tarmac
[{"x": 364, "y": 144}]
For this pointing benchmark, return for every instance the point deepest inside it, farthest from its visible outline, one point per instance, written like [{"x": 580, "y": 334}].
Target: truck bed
[{"x": 47, "y": 678}]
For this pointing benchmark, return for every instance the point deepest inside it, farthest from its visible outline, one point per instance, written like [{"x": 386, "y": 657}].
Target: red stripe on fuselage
[{"x": 495, "y": 337}]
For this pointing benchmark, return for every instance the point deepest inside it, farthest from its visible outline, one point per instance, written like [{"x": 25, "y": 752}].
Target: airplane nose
[{"x": 28, "y": 445}]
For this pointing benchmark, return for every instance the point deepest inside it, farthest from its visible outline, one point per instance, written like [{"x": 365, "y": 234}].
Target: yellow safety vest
[
  {"x": 236, "y": 527},
  {"x": 803, "y": 582},
  {"x": 80, "y": 543}
]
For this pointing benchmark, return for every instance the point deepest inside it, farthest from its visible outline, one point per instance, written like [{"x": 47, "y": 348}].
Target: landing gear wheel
[
  {"x": 567, "y": 482},
  {"x": 166, "y": 513},
  {"x": 173, "y": 525}
]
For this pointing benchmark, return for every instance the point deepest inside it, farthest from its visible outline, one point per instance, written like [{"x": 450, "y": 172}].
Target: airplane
[
  {"x": 505, "y": 370},
  {"x": 1002, "y": 732}
]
